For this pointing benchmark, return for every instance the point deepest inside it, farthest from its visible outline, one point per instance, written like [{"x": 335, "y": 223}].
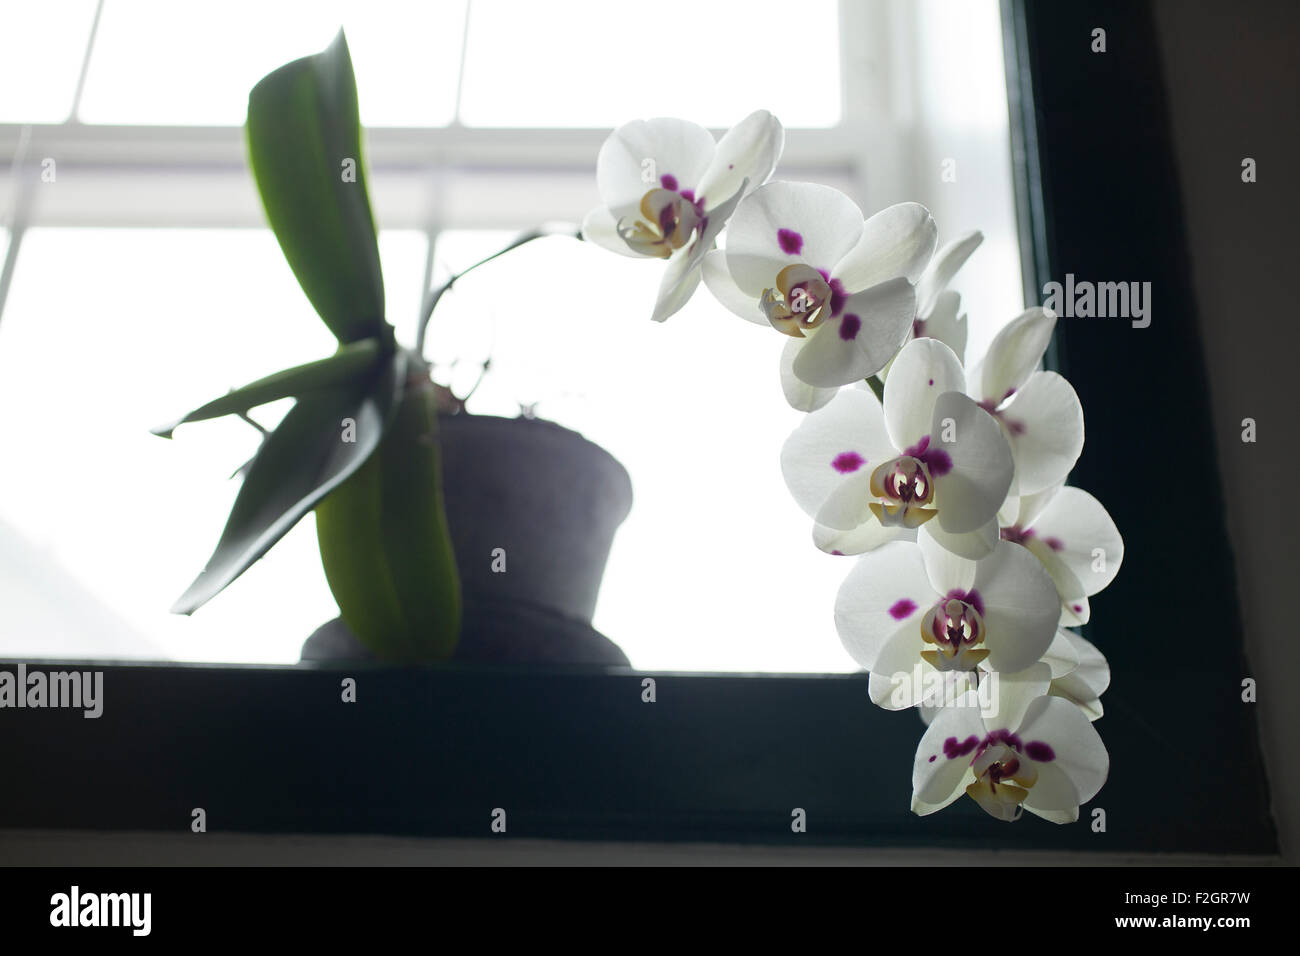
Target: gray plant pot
[{"x": 551, "y": 501}]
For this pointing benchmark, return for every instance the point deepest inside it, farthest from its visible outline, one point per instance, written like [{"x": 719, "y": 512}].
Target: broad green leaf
[
  {"x": 304, "y": 144},
  {"x": 307, "y": 456},
  {"x": 350, "y": 363},
  {"x": 385, "y": 544}
]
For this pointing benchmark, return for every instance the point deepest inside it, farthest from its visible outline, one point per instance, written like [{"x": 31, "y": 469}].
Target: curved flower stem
[
  {"x": 878, "y": 387},
  {"x": 431, "y": 302}
]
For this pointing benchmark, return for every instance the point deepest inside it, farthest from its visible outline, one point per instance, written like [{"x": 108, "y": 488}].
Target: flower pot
[{"x": 532, "y": 509}]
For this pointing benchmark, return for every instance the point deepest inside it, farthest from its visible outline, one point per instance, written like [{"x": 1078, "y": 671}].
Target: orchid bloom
[
  {"x": 1072, "y": 534},
  {"x": 1049, "y": 761},
  {"x": 930, "y": 458},
  {"x": 800, "y": 257},
  {"x": 1039, "y": 411},
  {"x": 1084, "y": 685},
  {"x": 667, "y": 189},
  {"x": 905, "y": 607},
  {"x": 937, "y": 306}
]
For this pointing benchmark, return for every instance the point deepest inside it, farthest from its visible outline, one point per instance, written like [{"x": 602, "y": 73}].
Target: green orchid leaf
[
  {"x": 323, "y": 440},
  {"x": 351, "y": 363},
  {"x": 304, "y": 144},
  {"x": 385, "y": 544}
]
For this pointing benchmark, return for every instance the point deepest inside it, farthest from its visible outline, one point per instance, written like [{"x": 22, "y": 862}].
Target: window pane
[
  {"x": 594, "y": 63},
  {"x": 154, "y": 323},
  {"x": 41, "y": 48},
  {"x": 189, "y": 64}
]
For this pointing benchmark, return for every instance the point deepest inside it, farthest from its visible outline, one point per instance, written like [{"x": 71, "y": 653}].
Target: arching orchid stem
[{"x": 435, "y": 295}]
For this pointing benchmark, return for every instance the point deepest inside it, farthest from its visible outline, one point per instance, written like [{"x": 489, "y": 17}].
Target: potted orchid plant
[{"x": 943, "y": 485}]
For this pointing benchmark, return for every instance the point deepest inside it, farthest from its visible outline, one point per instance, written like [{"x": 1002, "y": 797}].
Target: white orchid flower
[
  {"x": 1073, "y": 535},
  {"x": 931, "y": 458},
  {"x": 1048, "y": 762},
  {"x": 1087, "y": 681},
  {"x": 667, "y": 190},
  {"x": 799, "y": 257},
  {"x": 1039, "y": 411},
  {"x": 1053, "y": 673},
  {"x": 905, "y": 607}
]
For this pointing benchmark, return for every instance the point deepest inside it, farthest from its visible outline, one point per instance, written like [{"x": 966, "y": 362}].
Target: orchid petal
[
  {"x": 747, "y": 151},
  {"x": 798, "y": 393},
  {"x": 781, "y": 224},
  {"x": 1015, "y": 691},
  {"x": 857, "y": 343},
  {"x": 923, "y": 370},
  {"x": 724, "y": 289},
  {"x": 1014, "y": 353},
  {"x": 971, "y": 545},
  {"x": 969, "y": 494},
  {"x": 946, "y": 570},
  {"x": 1020, "y": 607},
  {"x": 865, "y": 537},
  {"x": 940, "y": 770},
  {"x": 940, "y": 271},
  {"x": 897, "y": 241},
  {"x": 682, "y": 276},
  {"x": 1044, "y": 426},
  {"x": 832, "y": 446},
  {"x": 1078, "y": 543},
  {"x": 1076, "y": 747},
  {"x": 944, "y": 324},
  {"x": 648, "y": 154},
  {"x": 886, "y": 591}
]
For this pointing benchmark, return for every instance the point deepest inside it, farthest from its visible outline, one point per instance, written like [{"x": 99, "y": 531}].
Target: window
[{"x": 147, "y": 284}]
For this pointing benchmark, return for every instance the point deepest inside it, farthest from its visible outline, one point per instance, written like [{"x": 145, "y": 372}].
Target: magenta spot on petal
[
  {"x": 932, "y": 758},
  {"x": 791, "y": 242},
  {"x": 668, "y": 181},
  {"x": 971, "y": 597},
  {"x": 1016, "y": 534},
  {"x": 849, "y": 327},
  {"x": 902, "y": 608},
  {"x": 936, "y": 459},
  {"x": 1037, "y": 750},
  {"x": 1078, "y": 608},
  {"x": 838, "y": 552},
  {"x": 667, "y": 219},
  {"x": 953, "y": 748},
  {"x": 731, "y": 165},
  {"x": 848, "y": 461},
  {"x": 838, "y": 296},
  {"x": 931, "y": 381},
  {"x": 1056, "y": 544}
]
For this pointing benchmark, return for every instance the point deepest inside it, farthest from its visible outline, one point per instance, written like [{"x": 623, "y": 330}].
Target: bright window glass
[
  {"x": 595, "y": 63},
  {"x": 161, "y": 62},
  {"x": 41, "y": 49}
]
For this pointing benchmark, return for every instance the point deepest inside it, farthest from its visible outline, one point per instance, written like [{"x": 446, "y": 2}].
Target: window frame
[{"x": 575, "y": 753}]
